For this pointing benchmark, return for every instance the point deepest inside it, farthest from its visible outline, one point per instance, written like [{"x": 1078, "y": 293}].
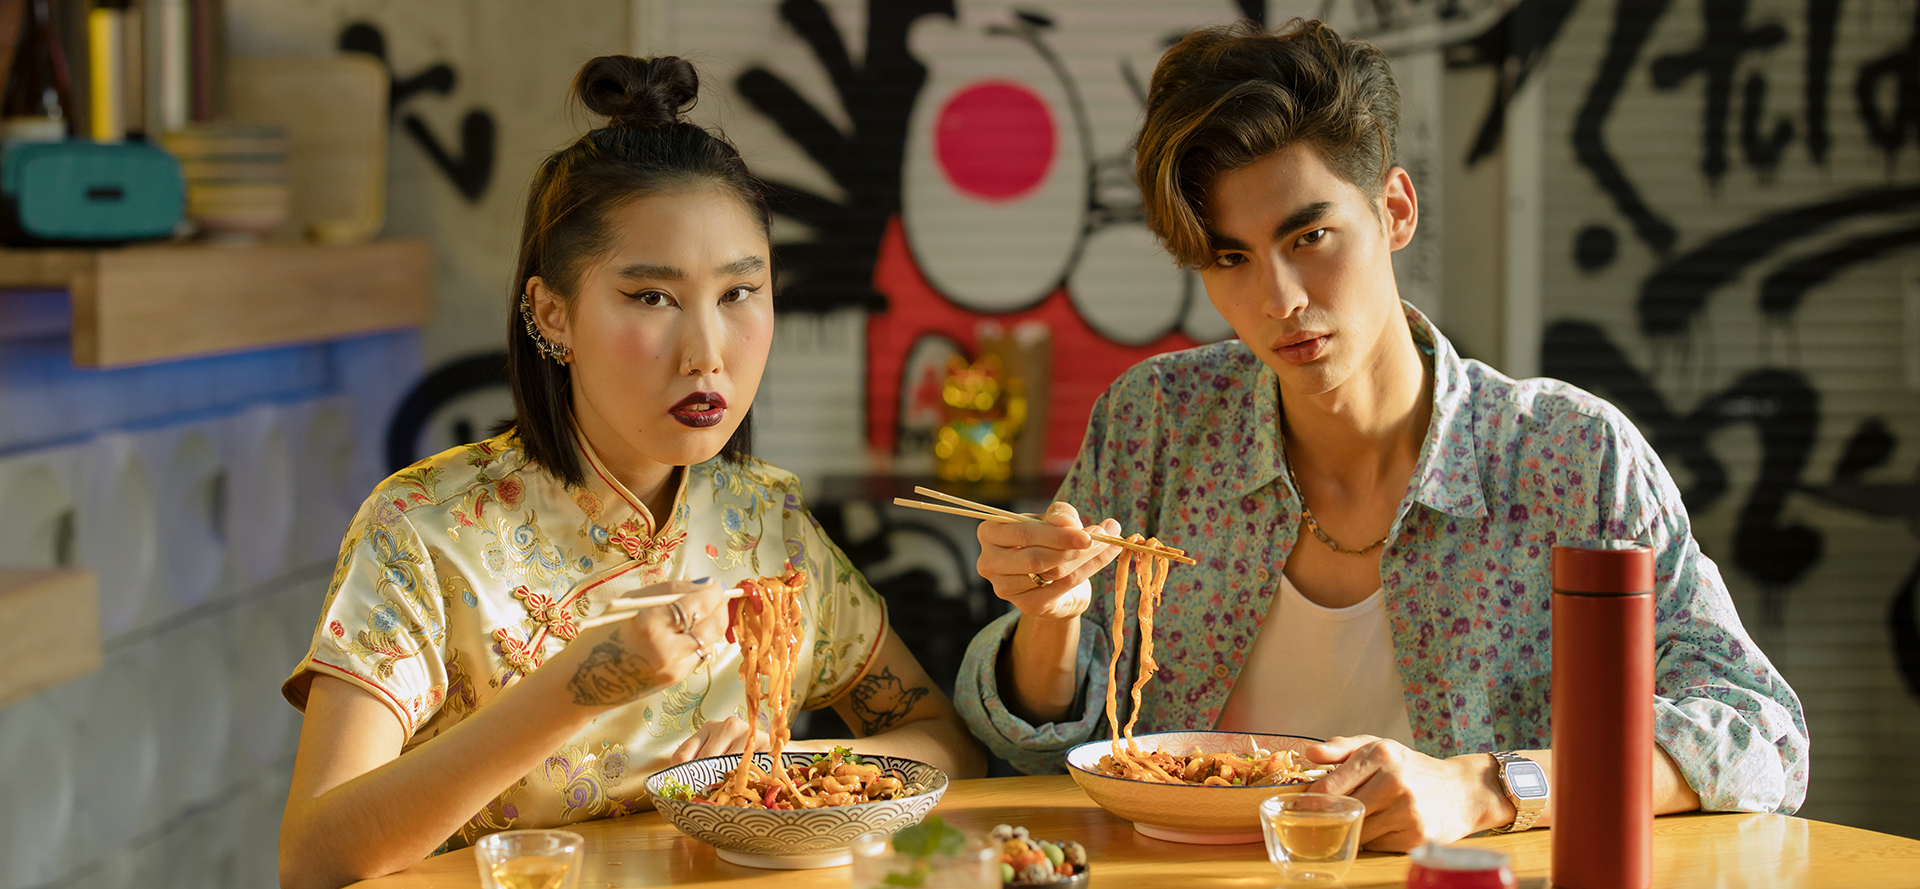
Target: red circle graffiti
[{"x": 994, "y": 140}]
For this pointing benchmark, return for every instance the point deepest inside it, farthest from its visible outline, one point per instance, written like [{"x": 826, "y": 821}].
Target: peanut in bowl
[{"x": 1217, "y": 813}]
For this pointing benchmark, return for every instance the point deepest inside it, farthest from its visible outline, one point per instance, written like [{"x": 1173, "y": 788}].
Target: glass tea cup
[
  {"x": 530, "y": 859},
  {"x": 1311, "y": 837},
  {"x": 876, "y": 865}
]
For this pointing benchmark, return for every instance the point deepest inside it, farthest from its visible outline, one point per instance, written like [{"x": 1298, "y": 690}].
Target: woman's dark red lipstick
[{"x": 700, "y": 410}]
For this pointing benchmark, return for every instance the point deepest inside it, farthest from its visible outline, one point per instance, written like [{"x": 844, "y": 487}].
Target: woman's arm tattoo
[
  {"x": 611, "y": 675},
  {"x": 881, "y": 700}
]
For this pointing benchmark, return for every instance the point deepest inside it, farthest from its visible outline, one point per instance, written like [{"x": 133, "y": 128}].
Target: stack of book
[
  {"x": 236, "y": 178},
  {"x": 107, "y": 70}
]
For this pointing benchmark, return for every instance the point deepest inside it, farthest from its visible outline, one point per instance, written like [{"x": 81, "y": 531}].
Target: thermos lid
[{"x": 1607, "y": 567}]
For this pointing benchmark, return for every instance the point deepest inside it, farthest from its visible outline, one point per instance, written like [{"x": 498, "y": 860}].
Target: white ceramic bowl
[
  {"x": 36, "y": 791},
  {"x": 1185, "y": 813},
  {"x": 800, "y": 838}
]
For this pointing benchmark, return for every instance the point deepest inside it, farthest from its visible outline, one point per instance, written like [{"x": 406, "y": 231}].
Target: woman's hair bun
[{"x": 637, "y": 93}]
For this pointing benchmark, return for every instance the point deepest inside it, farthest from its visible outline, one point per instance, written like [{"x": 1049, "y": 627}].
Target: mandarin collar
[
  {"x": 1449, "y": 431},
  {"x": 618, "y": 504}
]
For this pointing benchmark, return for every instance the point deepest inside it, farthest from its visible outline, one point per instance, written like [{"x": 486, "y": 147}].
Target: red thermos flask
[{"x": 1603, "y": 717}]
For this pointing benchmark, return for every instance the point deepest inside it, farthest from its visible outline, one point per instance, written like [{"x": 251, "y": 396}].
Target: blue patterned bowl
[{"x": 784, "y": 839}]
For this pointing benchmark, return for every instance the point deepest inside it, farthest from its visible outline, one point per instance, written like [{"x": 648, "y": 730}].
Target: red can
[{"x": 1459, "y": 867}]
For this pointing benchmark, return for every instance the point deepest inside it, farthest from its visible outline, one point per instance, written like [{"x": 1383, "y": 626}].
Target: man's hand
[
  {"x": 1412, "y": 797},
  {"x": 1057, "y": 550}
]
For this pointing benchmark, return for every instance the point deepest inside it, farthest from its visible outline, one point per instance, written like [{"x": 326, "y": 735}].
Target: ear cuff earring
[{"x": 559, "y": 353}]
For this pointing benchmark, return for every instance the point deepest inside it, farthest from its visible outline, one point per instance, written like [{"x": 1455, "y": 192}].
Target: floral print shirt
[
  {"x": 466, "y": 571},
  {"x": 1186, "y": 447}
]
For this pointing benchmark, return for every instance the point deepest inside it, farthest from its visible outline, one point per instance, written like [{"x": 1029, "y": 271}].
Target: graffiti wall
[
  {"x": 1704, "y": 210},
  {"x": 1728, "y": 254},
  {"x": 944, "y": 164}
]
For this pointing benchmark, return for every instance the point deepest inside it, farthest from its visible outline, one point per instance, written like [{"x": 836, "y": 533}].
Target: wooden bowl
[{"x": 1185, "y": 813}]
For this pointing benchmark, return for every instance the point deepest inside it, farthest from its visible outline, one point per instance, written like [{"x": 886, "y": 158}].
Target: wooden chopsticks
[
  {"x": 970, "y": 509},
  {"x": 621, "y": 609}
]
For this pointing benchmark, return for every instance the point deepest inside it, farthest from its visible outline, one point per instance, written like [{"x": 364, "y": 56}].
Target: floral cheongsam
[{"x": 466, "y": 571}]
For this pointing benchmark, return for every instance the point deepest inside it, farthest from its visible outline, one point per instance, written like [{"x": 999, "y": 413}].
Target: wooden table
[{"x": 1688, "y": 850}]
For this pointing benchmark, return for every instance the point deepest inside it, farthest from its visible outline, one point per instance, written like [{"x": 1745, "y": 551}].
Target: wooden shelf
[
  {"x": 136, "y": 305},
  {"x": 54, "y": 618}
]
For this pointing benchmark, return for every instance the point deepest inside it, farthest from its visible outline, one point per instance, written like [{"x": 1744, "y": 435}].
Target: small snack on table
[{"x": 1025, "y": 861}]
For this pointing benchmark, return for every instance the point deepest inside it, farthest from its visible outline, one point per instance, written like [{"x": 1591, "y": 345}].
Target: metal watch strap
[{"x": 1523, "y": 818}]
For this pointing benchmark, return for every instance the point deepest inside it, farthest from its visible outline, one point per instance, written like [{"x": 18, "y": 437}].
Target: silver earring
[{"x": 559, "y": 353}]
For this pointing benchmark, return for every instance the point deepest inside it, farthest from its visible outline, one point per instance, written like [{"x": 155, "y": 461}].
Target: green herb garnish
[
  {"x": 920, "y": 842},
  {"x": 846, "y": 755},
  {"x": 672, "y": 789}
]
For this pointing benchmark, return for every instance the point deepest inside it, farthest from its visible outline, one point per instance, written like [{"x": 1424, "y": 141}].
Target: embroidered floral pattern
[
  {"x": 558, "y": 617},
  {"x": 647, "y": 549},
  {"x": 499, "y": 815},
  {"x": 585, "y": 778},
  {"x": 1185, "y": 447},
  {"x": 437, "y": 616}
]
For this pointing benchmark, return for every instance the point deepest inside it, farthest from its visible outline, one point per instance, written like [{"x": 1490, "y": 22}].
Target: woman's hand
[
  {"x": 717, "y": 737},
  {"x": 653, "y": 649},
  {"x": 1056, "y": 550}
]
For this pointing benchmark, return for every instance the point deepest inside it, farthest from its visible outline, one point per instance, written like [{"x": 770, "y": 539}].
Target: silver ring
[{"x": 682, "y": 624}]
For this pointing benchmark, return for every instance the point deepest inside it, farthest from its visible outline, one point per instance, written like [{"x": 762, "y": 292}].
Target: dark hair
[
  {"x": 1227, "y": 96},
  {"x": 646, "y": 147}
]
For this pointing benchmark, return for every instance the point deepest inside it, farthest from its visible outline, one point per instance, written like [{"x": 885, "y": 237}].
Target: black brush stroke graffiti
[
  {"x": 471, "y": 170},
  {"x": 1633, "y": 22},
  {"x": 1823, "y": 31},
  {"x": 1888, "y": 129},
  {"x": 1786, "y": 287},
  {"x": 1254, "y": 11},
  {"x": 1677, "y": 292},
  {"x": 1724, "y": 40},
  {"x": 1903, "y": 618},
  {"x": 448, "y": 382},
  {"x": 1783, "y": 408},
  {"x": 835, "y": 269},
  {"x": 1513, "y": 47},
  {"x": 1869, "y": 448}
]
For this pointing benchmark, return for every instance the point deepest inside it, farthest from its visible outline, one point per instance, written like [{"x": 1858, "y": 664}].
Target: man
[{"x": 1373, "y": 515}]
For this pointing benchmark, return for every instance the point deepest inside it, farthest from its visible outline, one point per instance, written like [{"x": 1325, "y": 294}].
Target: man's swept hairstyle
[{"x": 1227, "y": 96}]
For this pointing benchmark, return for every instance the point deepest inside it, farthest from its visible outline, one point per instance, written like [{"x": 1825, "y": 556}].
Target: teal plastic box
[{"x": 78, "y": 192}]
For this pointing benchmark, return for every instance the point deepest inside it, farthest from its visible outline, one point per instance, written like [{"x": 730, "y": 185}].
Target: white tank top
[{"x": 1321, "y": 672}]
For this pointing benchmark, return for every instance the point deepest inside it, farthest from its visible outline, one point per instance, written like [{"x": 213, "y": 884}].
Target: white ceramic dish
[
  {"x": 790, "y": 840},
  {"x": 1185, "y": 813},
  {"x": 195, "y": 710},
  {"x": 118, "y": 741},
  {"x": 118, "y": 531},
  {"x": 36, "y": 791},
  {"x": 37, "y": 525},
  {"x": 258, "y": 496},
  {"x": 264, "y": 653}
]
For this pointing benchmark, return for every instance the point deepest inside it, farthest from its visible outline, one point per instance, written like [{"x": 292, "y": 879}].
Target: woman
[{"x": 451, "y": 633}]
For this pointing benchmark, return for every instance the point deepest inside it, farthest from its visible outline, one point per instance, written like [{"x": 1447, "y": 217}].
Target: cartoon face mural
[{"x": 1013, "y": 178}]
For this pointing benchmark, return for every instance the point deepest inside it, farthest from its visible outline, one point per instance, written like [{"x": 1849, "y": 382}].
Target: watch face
[{"x": 1527, "y": 780}]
